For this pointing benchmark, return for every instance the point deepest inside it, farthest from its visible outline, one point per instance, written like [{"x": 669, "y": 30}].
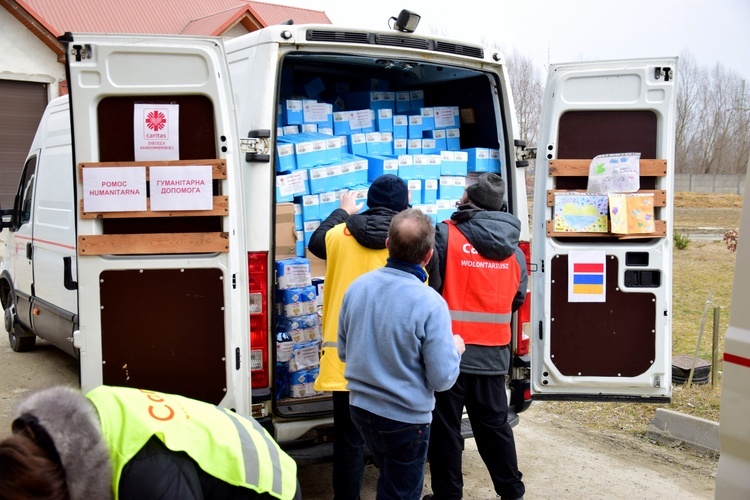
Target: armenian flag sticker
[{"x": 587, "y": 276}]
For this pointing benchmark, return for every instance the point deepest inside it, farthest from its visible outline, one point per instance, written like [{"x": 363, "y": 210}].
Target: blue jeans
[
  {"x": 398, "y": 449},
  {"x": 348, "y": 451}
]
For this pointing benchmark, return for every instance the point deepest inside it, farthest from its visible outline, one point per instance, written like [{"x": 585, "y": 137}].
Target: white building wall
[{"x": 25, "y": 57}]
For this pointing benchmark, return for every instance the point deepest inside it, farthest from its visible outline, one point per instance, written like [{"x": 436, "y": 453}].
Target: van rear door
[
  {"x": 602, "y": 308},
  {"x": 160, "y": 249}
]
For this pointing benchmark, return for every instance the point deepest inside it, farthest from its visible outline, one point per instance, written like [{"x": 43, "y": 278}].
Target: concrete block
[{"x": 698, "y": 433}]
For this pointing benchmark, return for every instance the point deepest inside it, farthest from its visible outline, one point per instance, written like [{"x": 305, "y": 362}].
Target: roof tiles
[{"x": 199, "y": 17}]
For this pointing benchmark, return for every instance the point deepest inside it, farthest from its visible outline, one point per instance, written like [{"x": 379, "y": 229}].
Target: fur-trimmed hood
[{"x": 73, "y": 424}]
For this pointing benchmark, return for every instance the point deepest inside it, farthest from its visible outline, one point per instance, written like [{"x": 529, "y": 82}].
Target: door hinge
[
  {"x": 256, "y": 146},
  {"x": 80, "y": 52},
  {"x": 523, "y": 154},
  {"x": 666, "y": 72}
]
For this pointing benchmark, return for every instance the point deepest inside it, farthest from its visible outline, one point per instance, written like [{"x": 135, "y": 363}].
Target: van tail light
[
  {"x": 524, "y": 312},
  {"x": 257, "y": 271}
]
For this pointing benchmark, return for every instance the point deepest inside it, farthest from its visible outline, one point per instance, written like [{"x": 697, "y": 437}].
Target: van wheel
[{"x": 20, "y": 339}]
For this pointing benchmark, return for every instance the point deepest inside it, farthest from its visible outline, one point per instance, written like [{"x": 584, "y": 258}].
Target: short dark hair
[
  {"x": 411, "y": 236},
  {"x": 28, "y": 471}
]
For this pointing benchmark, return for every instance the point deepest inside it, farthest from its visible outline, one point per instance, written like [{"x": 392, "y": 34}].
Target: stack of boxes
[
  {"x": 324, "y": 150},
  {"x": 298, "y": 329}
]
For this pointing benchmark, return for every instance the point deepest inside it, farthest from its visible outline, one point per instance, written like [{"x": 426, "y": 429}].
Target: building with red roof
[{"x": 32, "y": 60}]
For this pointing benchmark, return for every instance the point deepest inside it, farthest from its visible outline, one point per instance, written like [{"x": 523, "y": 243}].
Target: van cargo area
[{"x": 406, "y": 117}]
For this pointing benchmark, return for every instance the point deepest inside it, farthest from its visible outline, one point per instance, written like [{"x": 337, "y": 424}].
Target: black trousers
[{"x": 487, "y": 406}]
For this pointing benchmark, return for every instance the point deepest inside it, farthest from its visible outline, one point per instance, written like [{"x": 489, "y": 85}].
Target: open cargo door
[
  {"x": 602, "y": 314},
  {"x": 160, "y": 247}
]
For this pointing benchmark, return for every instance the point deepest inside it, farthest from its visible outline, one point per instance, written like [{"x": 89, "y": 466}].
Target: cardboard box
[
  {"x": 286, "y": 238},
  {"x": 317, "y": 266},
  {"x": 581, "y": 212},
  {"x": 400, "y": 127},
  {"x": 631, "y": 213}
]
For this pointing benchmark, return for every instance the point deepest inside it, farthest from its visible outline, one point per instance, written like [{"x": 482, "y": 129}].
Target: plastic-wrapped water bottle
[{"x": 284, "y": 349}]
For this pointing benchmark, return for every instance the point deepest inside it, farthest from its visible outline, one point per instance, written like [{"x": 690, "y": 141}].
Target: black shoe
[{"x": 428, "y": 496}]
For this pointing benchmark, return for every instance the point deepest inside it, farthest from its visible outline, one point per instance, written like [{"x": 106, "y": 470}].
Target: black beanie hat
[
  {"x": 487, "y": 192},
  {"x": 389, "y": 191}
]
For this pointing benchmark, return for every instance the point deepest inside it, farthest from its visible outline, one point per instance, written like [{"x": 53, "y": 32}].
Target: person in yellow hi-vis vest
[{"x": 120, "y": 442}]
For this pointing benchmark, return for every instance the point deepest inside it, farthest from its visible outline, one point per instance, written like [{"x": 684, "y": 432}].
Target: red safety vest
[{"x": 479, "y": 292}]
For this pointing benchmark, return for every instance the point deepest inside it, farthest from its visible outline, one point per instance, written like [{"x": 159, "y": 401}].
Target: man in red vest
[{"x": 483, "y": 281}]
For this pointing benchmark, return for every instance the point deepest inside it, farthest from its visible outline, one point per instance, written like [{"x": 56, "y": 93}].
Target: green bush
[{"x": 681, "y": 241}]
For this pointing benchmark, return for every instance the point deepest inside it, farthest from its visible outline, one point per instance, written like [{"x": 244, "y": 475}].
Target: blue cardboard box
[
  {"x": 291, "y": 184},
  {"x": 429, "y": 191},
  {"x": 451, "y": 187},
  {"x": 495, "y": 162},
  {"x": 361, "y": 170},
  {"x": 428, "y": 146},
  {"x": 414, "y": 146},
  {"x": 285, "y": 156},
  {"x": 348, "y": 178},
  {"x": 400, "y": 146},
  {"x": 358, "y": 144},
  {"x": 300, "y": 244},
  {"x": 438, "y": 135},
  {"x": 415, "y": 191},
  {"x": 291, "y": 112},
  {"x": 319, "y": 113},
  {"x": 433, "y": 166},
  {"x": 328, "y": 203},
  {"x": 417, "y": 99},
  {"x": 333, "y": 149},
  {"x": 361, "y": 120},
  {"x": 373, "y": 143},
  {"x": 341, "y": 123},
  {"x": 446, "y": 117},
  {"x": 403, "y": 102},
  {"x": 479, "y": 159},
  {"x": 297, "y": 215},
  {"x": 420, "y": 166},
  {"x": 453, "y": 139},
  {"x": 406, "y": 166},
  {"x": 384, "y": 120},
  {"x": 318, "y": 180},
  {"x": 428, "y": 118},
  {"x": 445, "y": 209},
  {"x": 309, "y": 228},
  {"x": 400, "y": 127},
  {"x": 378, "y": 165},
  {"x": 335, "y": 179},
  {"x": 310, "y": 207},
  {"x": 415, "y": 127}
]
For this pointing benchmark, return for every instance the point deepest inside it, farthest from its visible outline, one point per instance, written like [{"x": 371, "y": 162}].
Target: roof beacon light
[{"x": 407, "y": 21}]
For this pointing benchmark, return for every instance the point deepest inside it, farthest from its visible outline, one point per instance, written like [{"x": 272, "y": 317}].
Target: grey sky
[{"x": 554, "y": 31}]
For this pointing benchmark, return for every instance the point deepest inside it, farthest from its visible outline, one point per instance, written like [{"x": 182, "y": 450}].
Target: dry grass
[{"x": 703, "y": 267}]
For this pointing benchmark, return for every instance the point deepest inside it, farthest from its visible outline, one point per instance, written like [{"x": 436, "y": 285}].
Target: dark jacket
[
  {"x": 370, "y": 229},
  {"x": 495, "y": 235}
]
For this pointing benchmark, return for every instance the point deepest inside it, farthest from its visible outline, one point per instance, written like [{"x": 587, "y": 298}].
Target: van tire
[
  {"x": 20, "y": 339},
  {"x": 23, "y": 342}
]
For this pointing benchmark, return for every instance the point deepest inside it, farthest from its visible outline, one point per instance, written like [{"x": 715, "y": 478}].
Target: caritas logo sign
[{"x": 156, "y": 131}]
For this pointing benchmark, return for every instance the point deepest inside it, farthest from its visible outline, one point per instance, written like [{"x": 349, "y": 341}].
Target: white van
[
  {"x": 144, "y": 296},
  {"x": 184, "y": 301}
]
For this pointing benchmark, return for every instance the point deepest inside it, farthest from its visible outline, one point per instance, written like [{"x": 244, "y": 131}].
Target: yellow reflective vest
[
  {"x": 346, "y": 260},
  {"x": 231, "y": 448}
]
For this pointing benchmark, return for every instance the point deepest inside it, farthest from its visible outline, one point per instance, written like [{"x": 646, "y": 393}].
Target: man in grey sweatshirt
[{"x": 396, "y": 340}]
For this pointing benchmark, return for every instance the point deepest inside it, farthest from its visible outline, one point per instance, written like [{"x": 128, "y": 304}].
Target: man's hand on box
[{"x": 349, "y": 204}]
